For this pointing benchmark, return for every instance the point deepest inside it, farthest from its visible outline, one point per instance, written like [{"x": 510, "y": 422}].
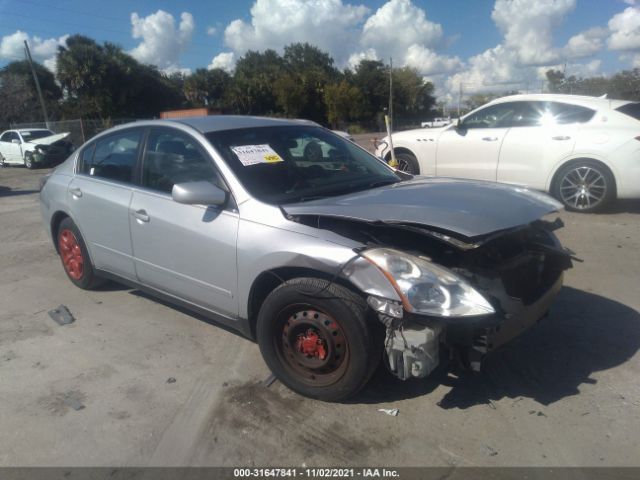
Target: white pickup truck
[
  {"x": 33, "y": 146},
  {"x": 436, "y": 122}
]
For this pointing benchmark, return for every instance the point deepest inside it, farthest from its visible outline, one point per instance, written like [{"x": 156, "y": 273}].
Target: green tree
[
  {"x": 343, "y": 103},
  {"x": 207, "y": 88},
  {"x": 371, "y": 77},
  {"x": 412, "y": 95},
  {"x": 105, "y": 82},
  {"x": 20, "y": 101},
  {"x": 291, "y": 96},
  {"x": 252, "y": 91}
]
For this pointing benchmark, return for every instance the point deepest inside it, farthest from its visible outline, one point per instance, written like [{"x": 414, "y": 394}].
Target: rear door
[
  {"x": 472, "y": 149},
  {"x": 12, "y": 152},
  {"x": 188, "y": 251},
  {"x": 543, "y": 134},
  {"x": 100, "y": 194}
]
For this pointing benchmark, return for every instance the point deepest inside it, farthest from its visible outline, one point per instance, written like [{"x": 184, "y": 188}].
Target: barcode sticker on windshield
[{"x": 254, "y": 154}]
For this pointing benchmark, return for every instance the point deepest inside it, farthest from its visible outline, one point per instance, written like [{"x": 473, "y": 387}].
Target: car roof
[
  {"x": 214, "y": 123},
  {"x": 22, "y": 130},
  {"x": 582, "y": 100}
]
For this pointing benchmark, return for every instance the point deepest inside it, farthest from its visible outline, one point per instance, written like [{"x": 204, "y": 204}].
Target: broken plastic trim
[{"x": 385, "y": 306}]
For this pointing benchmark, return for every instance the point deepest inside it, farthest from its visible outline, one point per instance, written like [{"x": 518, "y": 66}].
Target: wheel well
[
  {"x": 269, "y": 280},
  {"x": 55, "y": 223},
  {"x": 552, "y": 185},
  {"x": 399, "y": 150}
]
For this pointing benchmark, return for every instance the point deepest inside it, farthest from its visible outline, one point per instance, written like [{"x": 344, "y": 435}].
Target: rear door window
[
  {"x": 564, "y": 113},
  {"x": 113, "y": 157}
]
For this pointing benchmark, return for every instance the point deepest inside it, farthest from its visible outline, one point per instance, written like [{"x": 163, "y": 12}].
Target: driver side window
[{"x": 493, "y": 116}]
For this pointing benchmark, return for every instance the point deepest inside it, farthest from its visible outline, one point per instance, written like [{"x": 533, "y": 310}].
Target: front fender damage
[{"x": 519, "y": 271}]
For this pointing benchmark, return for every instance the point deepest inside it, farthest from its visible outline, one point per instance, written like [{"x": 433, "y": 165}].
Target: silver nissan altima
[{"x": 302, "y": 240}]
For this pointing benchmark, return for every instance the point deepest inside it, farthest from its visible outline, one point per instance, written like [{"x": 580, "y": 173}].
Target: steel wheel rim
[
  {"x": 296, "y": 325},
  {"x": 71, "y": 254},
  {"x": 583, "y": 187}
]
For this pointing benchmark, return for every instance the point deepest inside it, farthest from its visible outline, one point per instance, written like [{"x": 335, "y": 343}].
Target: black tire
[
  {"x": 303, "y": 307},
  {"x": 586, "y": 195},
  {"x": 407, "y": 162},
  {"x": 28, "y": 160},
  {"x": 75, "y": 261}
]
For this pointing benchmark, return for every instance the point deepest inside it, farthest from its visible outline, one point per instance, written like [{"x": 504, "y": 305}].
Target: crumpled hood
[
  {"x": 463, "y": 207},
  {"x": 50, "y": 139}
]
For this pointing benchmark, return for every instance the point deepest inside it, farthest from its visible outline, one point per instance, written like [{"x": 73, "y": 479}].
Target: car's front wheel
[
  {"x": 75, "y": 259},
  {"x": 28, "y": 160},
  {"x": 407, "y": 162},
  {"x": 315, "y": 338},
  {"x": 584, "y": 186}
]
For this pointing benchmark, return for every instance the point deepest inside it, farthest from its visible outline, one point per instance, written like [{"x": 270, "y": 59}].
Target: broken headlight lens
[{"x": 426, "y": 288}]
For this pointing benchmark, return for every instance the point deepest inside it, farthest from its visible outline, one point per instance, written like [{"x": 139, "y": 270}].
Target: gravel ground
[{"x": 136, "y": 382}]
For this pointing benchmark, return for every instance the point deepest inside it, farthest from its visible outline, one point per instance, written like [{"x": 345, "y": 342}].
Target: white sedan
[
  {"x": 585, "y": 151},
  {"x": 32, "y": 147}
]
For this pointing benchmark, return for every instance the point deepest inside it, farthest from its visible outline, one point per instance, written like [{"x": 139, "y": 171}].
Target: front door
[
  {"x": 11, "y": 152},
  {"x": 472, "y": 149},
  {"x": 188, "y": 251}
]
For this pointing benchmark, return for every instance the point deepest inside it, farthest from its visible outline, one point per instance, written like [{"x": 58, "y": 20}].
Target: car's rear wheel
[
  {"x": 316, "y": 339},
  {"x": 75, "y": 259},
  {"x": 407, "y": 162},
  {"x": 28, "y": 160},
  {"x": 584, "y": 186}
]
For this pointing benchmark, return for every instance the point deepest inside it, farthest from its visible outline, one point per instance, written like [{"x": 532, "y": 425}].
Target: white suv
[{"x": 585, "y": 151}]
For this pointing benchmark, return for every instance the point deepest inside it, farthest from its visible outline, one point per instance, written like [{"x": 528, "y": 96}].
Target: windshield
[
  {"x": 29, "y": 135},
  {"x": 288, "y": 164}
]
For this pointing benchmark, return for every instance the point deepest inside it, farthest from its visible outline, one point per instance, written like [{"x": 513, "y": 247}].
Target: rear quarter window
[{"x": 631, "y": 109}]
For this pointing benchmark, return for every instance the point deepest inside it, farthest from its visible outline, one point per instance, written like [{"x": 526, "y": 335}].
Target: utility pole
[
  {"x": 35, "y": 79},
  {"x": 391, "y": 92}
]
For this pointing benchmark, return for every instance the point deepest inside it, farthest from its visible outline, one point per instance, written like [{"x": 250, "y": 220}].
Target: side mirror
[
  {"x": 16, "y": 141},
  {"x": 199, "y": 193}
]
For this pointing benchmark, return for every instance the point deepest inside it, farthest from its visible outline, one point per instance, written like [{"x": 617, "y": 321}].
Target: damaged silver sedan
[{"x": 302, "y": 240}]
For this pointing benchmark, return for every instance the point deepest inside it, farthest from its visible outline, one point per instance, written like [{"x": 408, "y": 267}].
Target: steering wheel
[{"x": 313, "y": 152}]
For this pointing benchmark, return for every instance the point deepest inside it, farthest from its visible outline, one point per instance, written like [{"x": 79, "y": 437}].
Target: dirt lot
[{"x": 137, "y": 382}]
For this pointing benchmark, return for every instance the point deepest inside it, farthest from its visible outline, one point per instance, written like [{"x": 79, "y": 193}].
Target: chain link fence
[{"x": 80, "y": 130}]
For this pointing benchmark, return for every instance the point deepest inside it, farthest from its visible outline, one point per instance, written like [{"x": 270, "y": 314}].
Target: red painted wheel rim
[
  {"x": 71, "y": 254},
  {"x": 312, "y": 345}
]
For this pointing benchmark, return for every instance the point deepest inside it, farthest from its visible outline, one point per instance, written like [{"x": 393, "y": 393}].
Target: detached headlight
[{"x": 427, "y": 288}]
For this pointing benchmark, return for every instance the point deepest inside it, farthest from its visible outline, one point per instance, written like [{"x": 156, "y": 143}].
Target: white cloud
[
  {"x": 330, "y": 25},
  {"x": 428, "y": 62},
  {"x": 162, "y": 43},
  {"x": 585, "y": 43},
  {"x": 42, "y": 50},
  {"x": 528, "y": 27},
  {"x": 396, "y": 26},
  {"x": 225, "y": 60},
  {"x": 211, "y": 31},
  {"x": 356, "y": 58},
  {"x": 625, "y": 30}
]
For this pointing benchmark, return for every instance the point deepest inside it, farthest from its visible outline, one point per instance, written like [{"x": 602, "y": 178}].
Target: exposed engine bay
[{"x": 518, "y": 270}]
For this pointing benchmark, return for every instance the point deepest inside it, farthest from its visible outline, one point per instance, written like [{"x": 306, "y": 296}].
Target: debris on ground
[
  {"x": 72, "y": 402},
  {"x": 61, "y": 315},
  {"x": 267, "y": 382},
  {"x": 171, "y": 380},
  {"x": 390, "y": 411}
]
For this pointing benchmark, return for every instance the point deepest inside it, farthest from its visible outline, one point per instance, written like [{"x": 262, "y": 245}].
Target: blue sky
[{"x": 481, "y": 44}]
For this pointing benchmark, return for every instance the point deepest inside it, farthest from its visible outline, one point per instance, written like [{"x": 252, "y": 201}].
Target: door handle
[
  {"x": 141, "y": 215},
  {"x": 489, "y": 139},
  {"x": 75, "y": 191},
  {"x": 561, "y": 137}
]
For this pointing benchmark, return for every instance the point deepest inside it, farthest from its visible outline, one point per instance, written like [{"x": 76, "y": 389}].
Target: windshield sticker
[{"x": 254, "y": 154}]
